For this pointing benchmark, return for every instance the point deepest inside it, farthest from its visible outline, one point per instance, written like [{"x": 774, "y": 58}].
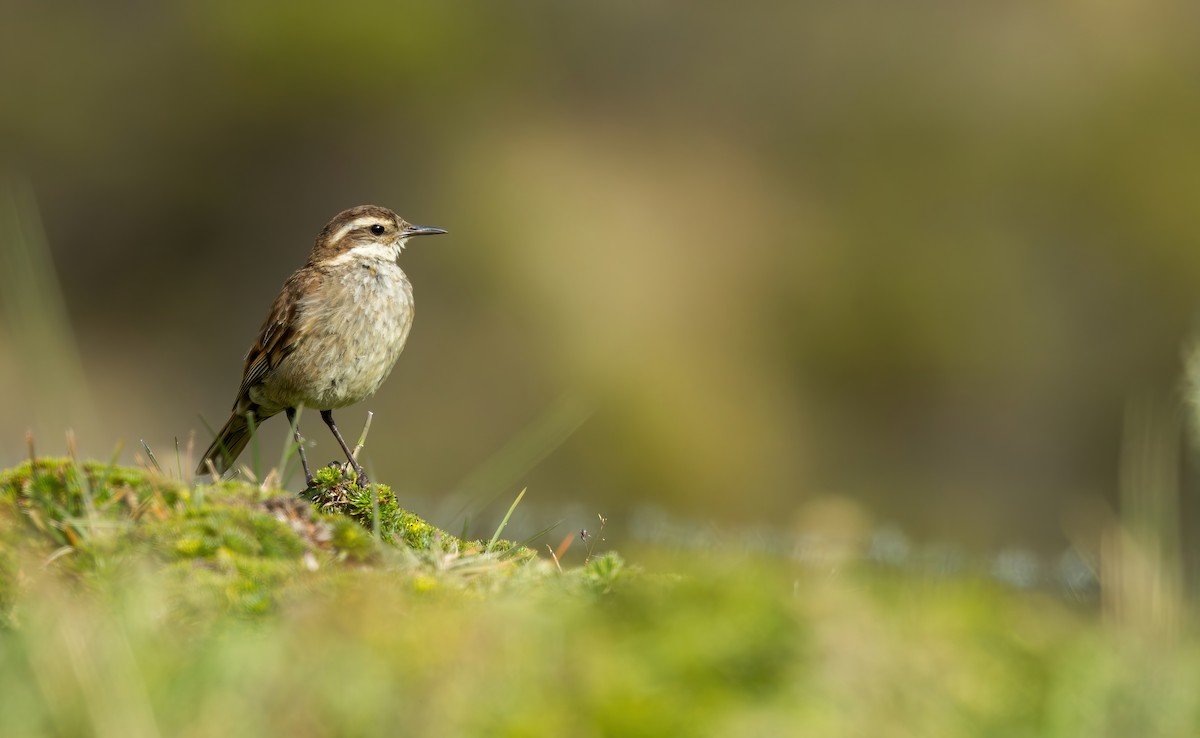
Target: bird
[{"x": 332, "y": 335}]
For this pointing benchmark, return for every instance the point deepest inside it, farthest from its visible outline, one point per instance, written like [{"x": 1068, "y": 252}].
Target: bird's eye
[{"x": 378, "y": 229}]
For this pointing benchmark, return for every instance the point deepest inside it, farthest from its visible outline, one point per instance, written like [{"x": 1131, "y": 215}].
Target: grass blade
[
  {"x": 255, "y": 461},
  {"x": 362, "y": 437},
  {"x": 157, "y": 466},
  {"x": 290, "y": 446},
  {"x": 503, "y": 523}
]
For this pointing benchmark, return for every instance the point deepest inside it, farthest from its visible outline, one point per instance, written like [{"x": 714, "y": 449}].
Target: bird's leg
[
  {"x": 327, "y": 416},
  {"x": 291, "y": 416}
]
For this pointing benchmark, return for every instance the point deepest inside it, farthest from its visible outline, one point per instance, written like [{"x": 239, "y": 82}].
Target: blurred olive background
[{"x": 746, "y": 264}]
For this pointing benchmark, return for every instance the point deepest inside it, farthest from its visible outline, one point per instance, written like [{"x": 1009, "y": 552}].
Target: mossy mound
[
  {"x": 377, "y": 510},
  {"x": 230, "y": 541}
]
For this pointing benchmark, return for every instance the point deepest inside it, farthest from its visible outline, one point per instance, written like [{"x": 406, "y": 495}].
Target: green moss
[
  {"x": 229, "y": 545},
  {"x": 335, "y": 493},
  {"x": 602, "y": 573},
  {"x": 66, "y": 501},
  {"x": 11, "y": 543}
]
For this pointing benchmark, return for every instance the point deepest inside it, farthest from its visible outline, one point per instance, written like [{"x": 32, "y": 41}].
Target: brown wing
[{"x": 277, "y": 337}]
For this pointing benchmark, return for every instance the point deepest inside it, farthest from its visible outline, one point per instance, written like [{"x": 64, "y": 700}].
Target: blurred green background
[{"x": 844, "y": 262}]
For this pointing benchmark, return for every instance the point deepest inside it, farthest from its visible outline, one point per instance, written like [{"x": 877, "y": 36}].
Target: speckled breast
[{"x": 354, "y": 328}]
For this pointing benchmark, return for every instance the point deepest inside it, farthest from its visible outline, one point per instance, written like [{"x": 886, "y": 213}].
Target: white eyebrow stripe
[{"x": 340, "y": 233}]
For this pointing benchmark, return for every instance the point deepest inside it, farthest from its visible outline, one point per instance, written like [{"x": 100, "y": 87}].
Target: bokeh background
[{"x": 761, "y": 267}]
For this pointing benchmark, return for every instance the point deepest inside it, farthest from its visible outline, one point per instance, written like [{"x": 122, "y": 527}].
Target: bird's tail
[{"x": 228, "y": 445}]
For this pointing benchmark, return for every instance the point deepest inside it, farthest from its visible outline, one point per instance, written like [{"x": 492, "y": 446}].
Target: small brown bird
[{"x": 332, "y": 335}]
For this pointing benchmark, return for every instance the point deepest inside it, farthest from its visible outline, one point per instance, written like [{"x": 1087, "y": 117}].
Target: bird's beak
[{"x": 416, "y": 230}]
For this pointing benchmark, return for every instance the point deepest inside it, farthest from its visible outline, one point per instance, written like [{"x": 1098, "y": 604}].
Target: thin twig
[{"x": 592, "y": 539}]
